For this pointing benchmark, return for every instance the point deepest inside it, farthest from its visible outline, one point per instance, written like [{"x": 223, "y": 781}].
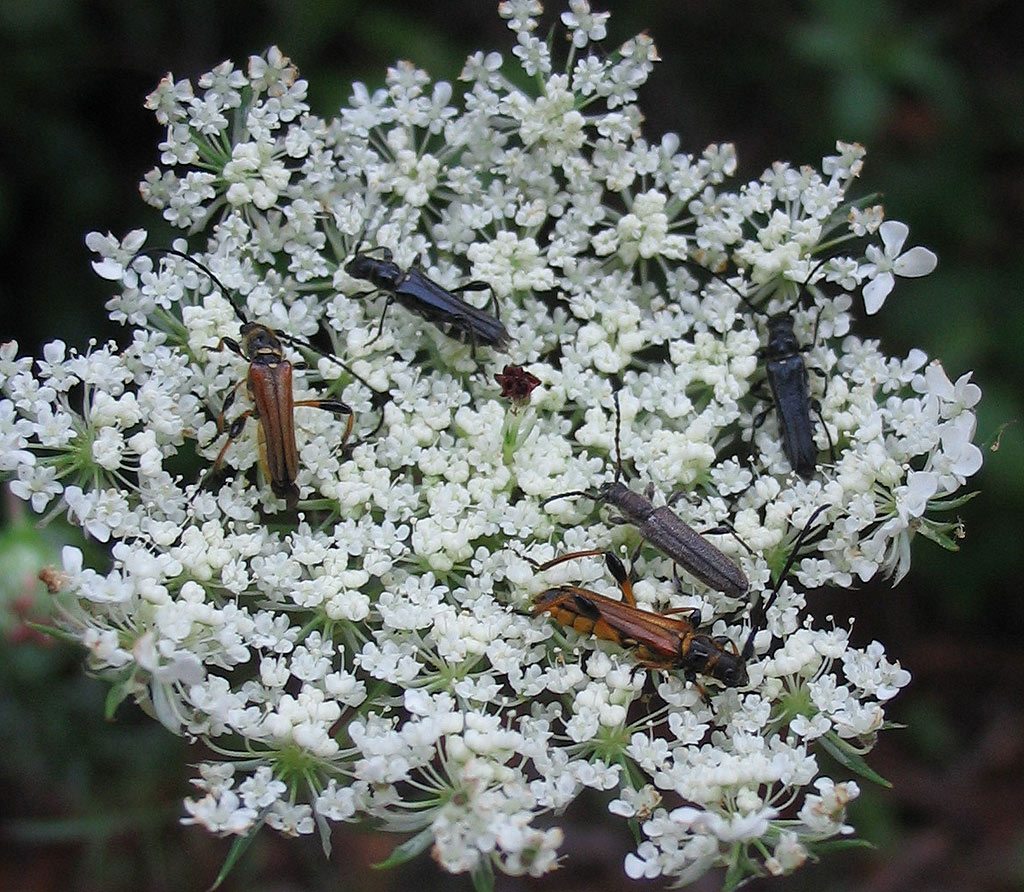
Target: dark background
[{"x": 934, "y": 90}]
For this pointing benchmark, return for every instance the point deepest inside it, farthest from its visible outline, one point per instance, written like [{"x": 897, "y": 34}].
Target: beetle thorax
[
  {"x": 258, "y": 340},
  {"x": 634, "y": 507}
]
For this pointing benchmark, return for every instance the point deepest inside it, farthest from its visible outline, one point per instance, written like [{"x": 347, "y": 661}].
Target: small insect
[
  {"x": 665, "y": 530},
  {"x": 786, "y": 373},
  {"x": 425, "y": 297},
  {"x": 269, "y": 384},
  {"x": 660, "y": 640}
]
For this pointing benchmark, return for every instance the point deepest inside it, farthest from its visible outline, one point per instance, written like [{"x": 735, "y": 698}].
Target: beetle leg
[
  {"x": 383, "y": 313},
  {"x": 229, "y": 401},
  {"x": 547, "y": 565},
  {"x": 692, "y": 614},
  {"x": 816, "y": 408},
  {"x": 477, "y": 285},
  {"x": 233, "y": 432}
]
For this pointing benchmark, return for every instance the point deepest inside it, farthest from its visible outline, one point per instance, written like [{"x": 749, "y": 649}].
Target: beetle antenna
[
  {"x": 288, "y": 339},
  {"x": 370, "y": 221},
  {"x": 362, "y": 235},
  {"x": 725, "y": 282},
  {"x": 618, "y": 426},
  {"x": 300, "y": 344},
  {"x": 803, "y": 287},
  {"x": 152, "y": 252},
  {"x": 762, "y": 610},
  {"x": 563, "y": 495}
]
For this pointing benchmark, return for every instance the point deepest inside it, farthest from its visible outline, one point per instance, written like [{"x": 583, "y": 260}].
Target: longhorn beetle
[
  {"x": 786, "y": 372},
  {"x": 787, "y": 377},
  {"x": 661, "y": 641},
  {"x": 425, "y": 297},
  {"x": 269, "y": 383},
  {"x": 665, "y": 530}
]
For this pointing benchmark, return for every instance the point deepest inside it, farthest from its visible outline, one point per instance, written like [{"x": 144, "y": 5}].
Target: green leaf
[
  {"x": 407, "y": 850},
  {"x": 483, "y": 875},
  {"x": 740, "y": 869},
  {"x": 54, "y": 632},
  {"x": 115, "y": 696},
  {"x": 849, "y": 758},
  {"x": 835, "y": 845},
  {"x": 733, "y": 877},
  {"x": 636, "y": 829},
  {"x": 324, "y": 829},
  {"x": 937, "y": 532},
  {"x": 238, "y": 847},
  {"x": 992, "y": 443},
  {"x": 952, "y": 504}
]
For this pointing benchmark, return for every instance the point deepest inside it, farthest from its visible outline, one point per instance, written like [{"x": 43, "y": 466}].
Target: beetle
[
  {"x": 419, "y": 294},
  {"x": 269, "y": 384},
  {"x": 786, "y": 373},
  {"x": 665, "y": 529},
  {"x": 659, "y": 640}
]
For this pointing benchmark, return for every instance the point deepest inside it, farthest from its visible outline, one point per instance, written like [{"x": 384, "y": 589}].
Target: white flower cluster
[{"x": 372, "y": 655}]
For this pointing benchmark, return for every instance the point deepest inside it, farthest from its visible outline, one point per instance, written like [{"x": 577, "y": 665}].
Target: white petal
[
  {"x": 134, "y": 240},
  {"x": 917, "y": 261},
  {"x": 71, "y": 560},
  {"x": 108, "y": 268},
  {"x": 97, "y": 242},
  {"x": 969, "y": 462},
  {"x": 876, "y": 291},
  {"x": 915, "y": 359},
  {"x": 54, "y": 351},
  {"x": 937, "y": 382},
  {"x": 968, "y": 392},
  {"x": 893, "y": 234},
  {"x": 921, "y": 486}
]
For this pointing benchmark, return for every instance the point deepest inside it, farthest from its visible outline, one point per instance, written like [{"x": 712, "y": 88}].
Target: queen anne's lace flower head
[{"x": 373, "y": 655}]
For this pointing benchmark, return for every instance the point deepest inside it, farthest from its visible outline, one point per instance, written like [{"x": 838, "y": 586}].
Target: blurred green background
[{"x": 935, "y": 91}]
